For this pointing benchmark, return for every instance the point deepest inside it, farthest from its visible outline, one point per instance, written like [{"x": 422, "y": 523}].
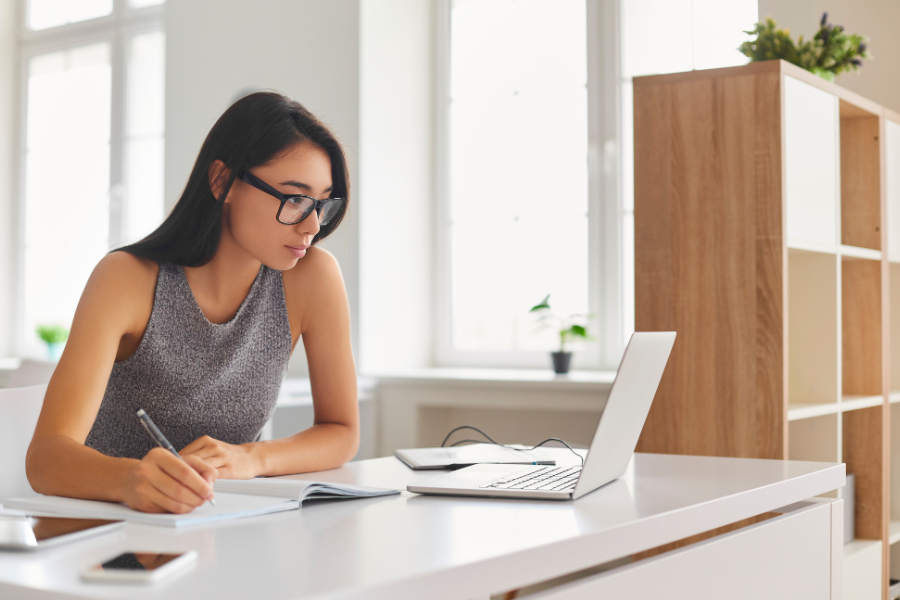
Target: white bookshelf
[{"x": 811, "y": 149}]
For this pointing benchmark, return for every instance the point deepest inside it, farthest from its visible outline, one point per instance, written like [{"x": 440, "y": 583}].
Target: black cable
[
  {"x": 564, "y": 444},
  {"x": 452, "y": 431}
]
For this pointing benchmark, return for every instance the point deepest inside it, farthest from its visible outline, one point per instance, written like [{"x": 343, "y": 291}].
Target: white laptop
[{"x": 611, "y": 449}]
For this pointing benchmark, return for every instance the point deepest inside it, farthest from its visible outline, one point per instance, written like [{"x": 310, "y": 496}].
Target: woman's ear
[{"x": 218, "y": 177}]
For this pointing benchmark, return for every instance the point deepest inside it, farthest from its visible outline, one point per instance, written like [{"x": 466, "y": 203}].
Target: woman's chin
[{"x": 283, "y": 264}]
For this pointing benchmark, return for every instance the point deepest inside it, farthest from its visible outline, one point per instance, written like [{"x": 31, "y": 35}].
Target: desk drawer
[{"x": 791, "y": 557}]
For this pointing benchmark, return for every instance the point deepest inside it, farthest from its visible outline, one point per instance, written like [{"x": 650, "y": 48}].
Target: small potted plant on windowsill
[
  {"x": 569, "y": 331},
  {"x": 54, "y": 336}
]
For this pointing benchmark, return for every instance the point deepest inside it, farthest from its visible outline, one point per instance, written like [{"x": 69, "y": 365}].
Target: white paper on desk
[
  {"x": 229, "y": 506},
  {"x": 298, "y": 489}
]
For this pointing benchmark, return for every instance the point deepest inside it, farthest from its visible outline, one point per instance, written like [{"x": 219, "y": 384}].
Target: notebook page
[
  {"x": 264, "y": 486},
  {"x": 297, "y": 489}
]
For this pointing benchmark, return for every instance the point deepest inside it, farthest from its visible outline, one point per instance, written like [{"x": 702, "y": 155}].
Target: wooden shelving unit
[{"x": 767, "y": 234}]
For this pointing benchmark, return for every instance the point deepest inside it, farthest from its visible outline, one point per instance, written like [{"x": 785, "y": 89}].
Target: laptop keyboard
[{"x": 546, "y": 479}]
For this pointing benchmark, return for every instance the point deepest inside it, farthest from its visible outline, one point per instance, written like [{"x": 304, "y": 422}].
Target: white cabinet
[
  {"x": 862, "y": 570},
  {"x": 791, "y": 557},
  {"x": 812, "y": 148}
]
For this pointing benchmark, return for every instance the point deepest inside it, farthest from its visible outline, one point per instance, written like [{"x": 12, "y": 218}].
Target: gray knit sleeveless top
[{"x": 194, "y": 377}]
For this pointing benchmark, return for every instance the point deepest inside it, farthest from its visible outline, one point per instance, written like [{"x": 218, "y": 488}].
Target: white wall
[
  {"x": 878, "y": 79},
  {"x": 9, "y": 72},
  {"x": 395, "y": 185},
  {"x": 307, "y": 49}
]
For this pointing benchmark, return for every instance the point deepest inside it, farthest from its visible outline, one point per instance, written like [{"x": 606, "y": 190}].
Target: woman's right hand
[{"x": 161, "y": 482}]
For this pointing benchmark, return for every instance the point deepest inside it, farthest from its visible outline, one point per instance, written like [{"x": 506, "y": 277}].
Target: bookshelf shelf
[
  {"x": 894, "y": 532},
  {"x": 806, "y": 246},
  {"x": 799, "y": 411},
  {"x": 855, "y": 252},
  {"x": 849, "y": 403},
  {"x": 786, "y": 277}
]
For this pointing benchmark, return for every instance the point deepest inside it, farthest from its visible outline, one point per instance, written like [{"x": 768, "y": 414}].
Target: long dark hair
[{"x": 253, "y": 131}]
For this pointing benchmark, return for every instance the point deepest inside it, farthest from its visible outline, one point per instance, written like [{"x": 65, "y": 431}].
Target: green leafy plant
[
  {"x": 53, "y": 334},
  {"x": 569, "y": 331},
  {"x": 830, "y": 52}
]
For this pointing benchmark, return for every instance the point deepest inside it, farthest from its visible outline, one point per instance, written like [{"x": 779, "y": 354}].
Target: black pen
[{"x": 158, "y": 436}]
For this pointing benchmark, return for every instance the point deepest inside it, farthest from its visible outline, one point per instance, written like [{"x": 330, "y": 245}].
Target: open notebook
[{"x": 235, "y": 499}]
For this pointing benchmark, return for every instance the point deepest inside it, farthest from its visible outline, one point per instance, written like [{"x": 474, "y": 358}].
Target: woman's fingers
[
  {"x": 209, "y": 450},
  {"x": 180, "y": 481},
  {"x": 204, "y": 468},
  {"x": 197, "y": 444},
  {"x": 165, "y": 503}
]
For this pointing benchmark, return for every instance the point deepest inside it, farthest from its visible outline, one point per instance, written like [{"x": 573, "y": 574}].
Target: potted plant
[
  {"x": 568, "y": 330},
  {"x": 54, "y": 336},
  {"x": 830, "y": 52}
]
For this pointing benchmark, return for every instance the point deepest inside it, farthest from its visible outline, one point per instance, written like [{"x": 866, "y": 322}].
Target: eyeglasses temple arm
[{"x": 259, "y": 184}]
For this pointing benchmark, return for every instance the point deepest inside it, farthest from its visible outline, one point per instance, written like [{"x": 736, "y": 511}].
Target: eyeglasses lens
[
  {"x": 329, "y": 211},
  {"x": 295, "y": 209}
]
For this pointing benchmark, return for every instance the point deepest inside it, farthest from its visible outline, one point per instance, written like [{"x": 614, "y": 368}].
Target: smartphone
[{"x": 141, "y": 567}]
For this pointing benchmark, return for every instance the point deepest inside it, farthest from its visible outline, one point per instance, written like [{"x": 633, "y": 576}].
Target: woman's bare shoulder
[
  {"x": 314, "y": 286},
  {"x": 126, "y": 269},
  {"x": 122, "y": 284},
  {"x": 318, "y": 266}
]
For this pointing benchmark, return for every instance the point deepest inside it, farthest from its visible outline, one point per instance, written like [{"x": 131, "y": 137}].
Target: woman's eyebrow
[{"x": 301, "y": 185}]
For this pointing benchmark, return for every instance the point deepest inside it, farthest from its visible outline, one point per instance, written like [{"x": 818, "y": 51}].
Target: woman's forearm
[
  {"x": 321, "y": 447},
  {"x": 60, "y": 466}
]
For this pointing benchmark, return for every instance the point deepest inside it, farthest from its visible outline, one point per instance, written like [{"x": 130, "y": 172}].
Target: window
[
  {"x": 92, "y": 153},
  {"x": 535, "y": 163},
  {"x": 514, "y": 226}
]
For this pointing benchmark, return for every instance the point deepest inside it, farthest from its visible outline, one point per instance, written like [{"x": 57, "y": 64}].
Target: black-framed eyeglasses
[{"x": 296, "y": 207}]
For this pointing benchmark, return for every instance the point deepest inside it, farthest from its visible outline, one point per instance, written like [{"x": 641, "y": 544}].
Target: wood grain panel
[
  {"x": 851, "y": 102},
  {"x": 861, "y": 327},
  {"x": 860, "y": 182},
  {"x": 704, "y": 536},
  {"x": 864, "y": 453},
  {"x": 710, "y": 262}
]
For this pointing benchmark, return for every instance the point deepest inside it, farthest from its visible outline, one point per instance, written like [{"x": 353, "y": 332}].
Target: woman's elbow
[
  {"x": 35, "y": 469},
  {"x": 350, "y": 444}
]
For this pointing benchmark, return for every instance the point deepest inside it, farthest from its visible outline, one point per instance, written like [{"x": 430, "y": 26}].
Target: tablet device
[
  {"x": 28, "y": 532},
  {"x": 474, "y": 454}
]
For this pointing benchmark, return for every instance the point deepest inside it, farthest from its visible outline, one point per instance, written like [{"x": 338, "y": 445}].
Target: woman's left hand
[{"x": 232, "y": 462}]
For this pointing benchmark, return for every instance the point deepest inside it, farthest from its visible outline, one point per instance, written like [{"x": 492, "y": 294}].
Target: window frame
[
  {"x": 605, "y": 231},
  {"x": 117, "y": 29}
]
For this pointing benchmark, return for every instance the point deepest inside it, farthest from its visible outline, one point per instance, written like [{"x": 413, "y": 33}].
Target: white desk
[{"x": 412, "y": 546}]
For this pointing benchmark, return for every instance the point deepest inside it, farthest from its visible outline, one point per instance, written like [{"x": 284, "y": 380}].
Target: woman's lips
[{"x": 298, "y": 251}]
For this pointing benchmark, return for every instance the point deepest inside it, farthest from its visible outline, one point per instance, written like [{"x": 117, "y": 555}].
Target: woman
[{"x": 196, "y": 323}]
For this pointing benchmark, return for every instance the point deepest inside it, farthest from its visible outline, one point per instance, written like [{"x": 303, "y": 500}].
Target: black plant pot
[{"x": 561, "y": 362}]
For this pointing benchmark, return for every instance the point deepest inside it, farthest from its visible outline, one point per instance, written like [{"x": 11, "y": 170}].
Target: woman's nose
[{"x": 310, "y": 225}]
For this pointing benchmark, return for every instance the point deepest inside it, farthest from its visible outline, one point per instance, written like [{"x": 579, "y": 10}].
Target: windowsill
[
  {"x": 10, "y": 364},
  {"x": 297, "y": 391},
  {"x": 533, "y": 379}
]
